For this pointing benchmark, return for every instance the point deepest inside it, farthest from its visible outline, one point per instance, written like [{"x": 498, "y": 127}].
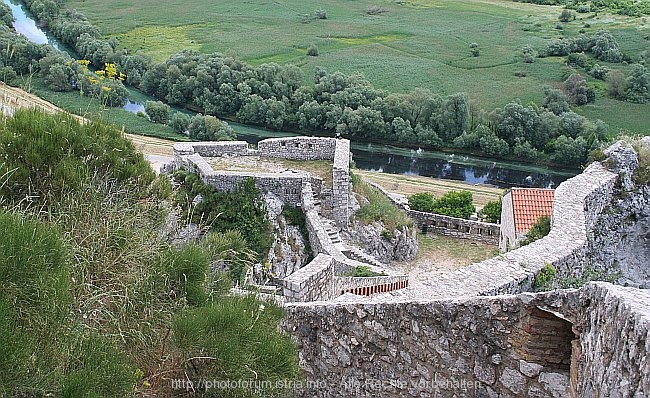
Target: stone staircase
[{"x": 355, "y": 253}]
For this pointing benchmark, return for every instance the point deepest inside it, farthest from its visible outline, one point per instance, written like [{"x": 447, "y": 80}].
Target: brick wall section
[
  {"x": 544, "y": 339},
  {"x": 407, "y": 348}
]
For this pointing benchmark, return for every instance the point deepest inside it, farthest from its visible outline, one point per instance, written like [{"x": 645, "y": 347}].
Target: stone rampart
[
  {"x": 565, "y": 247},
  {"x": 211, "y": 149},
  {"x": 320, "y": 281},
  {"x": 369, "y": 286},
  {"x": 299, "y": 148},
  {"x": 448, "y": 226},
  {"x": 311, "y": 282},
  {"x": 287, "y": 185},
  {"x": 528, "y": 345},
  {"x": 456, "y": 227}
]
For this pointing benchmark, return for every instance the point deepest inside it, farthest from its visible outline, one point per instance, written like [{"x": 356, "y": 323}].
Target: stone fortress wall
[
  {"x": 319, "y": 279},
  {"x": 430, "y": 223},
  {"x": 443, "y": 339}
]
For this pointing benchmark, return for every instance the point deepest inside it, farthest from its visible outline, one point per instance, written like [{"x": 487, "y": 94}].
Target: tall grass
[
  {"x": 377, "y": 207},
  {"x": 90, "y": 288}
]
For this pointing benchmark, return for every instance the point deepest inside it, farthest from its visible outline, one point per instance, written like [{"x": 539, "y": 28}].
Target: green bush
[
  {"x": 186, "y": 270},
  {"x": 491, "y": 212},
  {"x": 34, "y": 302},
  {"x": 455, "y": 204},
  {"x": 378, "y": 207},
  {"x": 363, "y": 271},
  {"x": 236, "y": 338},
  {"x": 641, "y": 175},
  {"x": 240, "y": 210},
  {"x": 49, "y": 155},
  {"x": 540, "y": 229},
  {"x": 231, "y": 249},
  {"x": 421, "y": 201},
  {"x": 97, "y": 369},
  {"x": 544, "y": 279}
]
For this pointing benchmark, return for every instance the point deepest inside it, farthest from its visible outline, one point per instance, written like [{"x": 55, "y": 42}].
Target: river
[{"x": 369, "y": 156}]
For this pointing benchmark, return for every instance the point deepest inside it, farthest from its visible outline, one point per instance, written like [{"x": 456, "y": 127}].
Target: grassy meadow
[{"x": 418, "y": 43}]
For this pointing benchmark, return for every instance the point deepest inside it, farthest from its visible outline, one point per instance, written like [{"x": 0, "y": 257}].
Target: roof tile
[{"x": 528, "y": 204}]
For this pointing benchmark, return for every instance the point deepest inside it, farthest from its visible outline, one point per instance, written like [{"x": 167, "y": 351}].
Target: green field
[{"x": 418, "y": 43}]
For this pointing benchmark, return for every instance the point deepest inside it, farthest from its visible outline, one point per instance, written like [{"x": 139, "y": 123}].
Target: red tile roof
[{"x": 528, "y": 204}]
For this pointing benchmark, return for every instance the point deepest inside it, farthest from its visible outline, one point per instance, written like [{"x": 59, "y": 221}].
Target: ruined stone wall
[
  {"x": 311, "y": 282},
  {"x": 368, "y": 286},
  {"x": 577, "y": 203},
  {"x": 299, "y": 148},
  {"x": 449, "y": 226},
  {"x": 214, "y": 148},
  {"x": 341, "y": 183},
  {"x": 319, "y": 281},
  {"x": 479, "y": 347},
  {"x": 456, "y": 227}
]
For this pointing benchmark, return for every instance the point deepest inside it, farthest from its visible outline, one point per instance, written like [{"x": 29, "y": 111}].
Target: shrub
[
  {"x": 240, "y": 210},
  {"x": 491, "y": 212},
  {"x": 51, "y": 155},
  {"x": 454, "y": 204},
  {"x": 229, "y": 248},
  {"x": 421, "y": 201},
  {"x": 185, "y": 271},
  {"x": 566, "y": 16},
  {"x": 236, "y": 338},
  {"x": 641, "y": 175},
  {"x": 544, "y": 279},
  {"x": 320, "y": 14},
  {"x": 375, "y": 10},
  {"x": 157, "y": 111},
  {"x": 379, "y": 207},
  {"x": 540, "y": 229},
  {"x": 312, "y": 50},
  {"x": 363, "y": 271}
]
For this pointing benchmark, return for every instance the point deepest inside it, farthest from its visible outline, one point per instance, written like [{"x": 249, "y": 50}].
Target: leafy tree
[
  {"x": 529, "y": 54},
  {"x": 575, "y": 87},
  {"x": 555, "y": 101},
  {"x": 157, "y": 111},
  {"x": 491, "y": 212},
  {"x": 538, "y": 230},
  {"x": 209, "y": 128},
  {"x": 566, "y": 15},
  {"x": 6, "y": 17},
  {"x": 637, "y": 85},
  {"x": 604, "y": 47},
  {"x": 312, "y": 50},
  {"x": 180, "y": 122},
  {"x": 455, "y": 204},
  {"x": 616, "y": 84},
  {"x": 421, "y": 201},
  {"x": 570, "y": 151}
]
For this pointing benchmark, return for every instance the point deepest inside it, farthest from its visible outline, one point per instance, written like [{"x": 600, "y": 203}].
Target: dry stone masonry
[
  {"x": 477, "y": 332},
  {"x": 318, "y": 280}
]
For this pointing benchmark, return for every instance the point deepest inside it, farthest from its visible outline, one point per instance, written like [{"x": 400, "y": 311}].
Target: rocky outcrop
[
  {"x": 383, "y": 244},
  {"x": 620, "y": 244},
  {"x": 289, "y": 251}
]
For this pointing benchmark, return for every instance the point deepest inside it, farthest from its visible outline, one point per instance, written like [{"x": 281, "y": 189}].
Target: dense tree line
[
  {"x": 623, "y": 7},
  {"x": 275, "y": 96}
]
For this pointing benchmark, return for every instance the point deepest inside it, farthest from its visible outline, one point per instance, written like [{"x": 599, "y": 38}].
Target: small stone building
[{"x": 521, "y": 207}]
